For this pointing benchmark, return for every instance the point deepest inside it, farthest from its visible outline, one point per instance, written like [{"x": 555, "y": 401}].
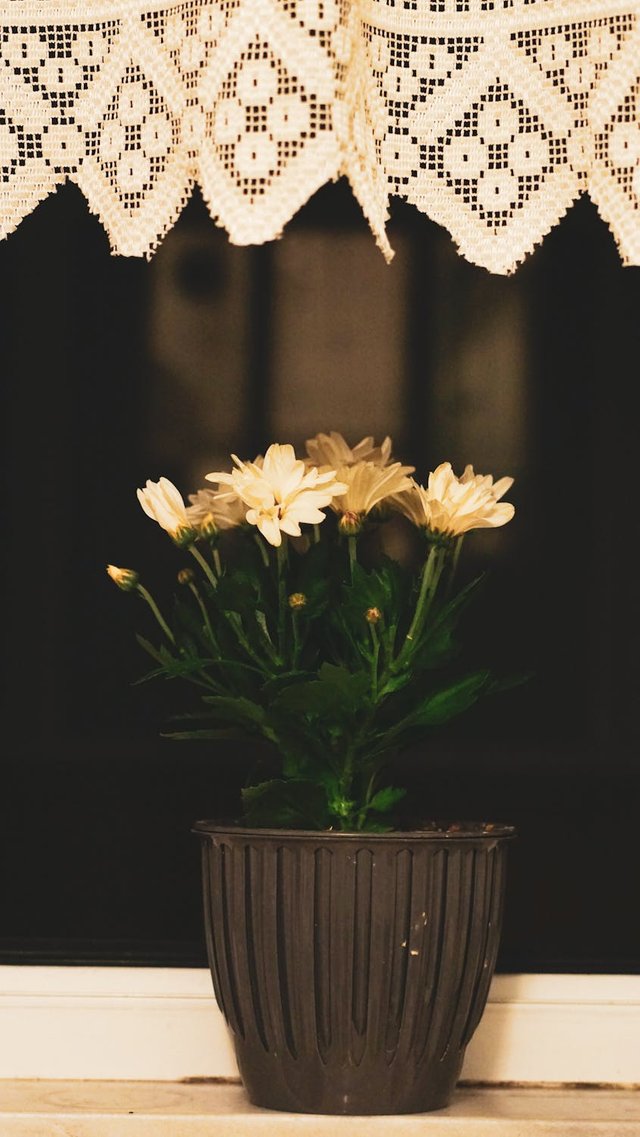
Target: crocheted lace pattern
[{"x": 490, "y": 116}]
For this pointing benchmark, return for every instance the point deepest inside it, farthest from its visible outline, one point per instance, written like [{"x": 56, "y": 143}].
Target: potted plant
[{"x": 351, "y": 959}]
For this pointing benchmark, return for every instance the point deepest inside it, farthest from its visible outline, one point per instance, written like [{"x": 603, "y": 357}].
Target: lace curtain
[{"x": 490, "y": 116}]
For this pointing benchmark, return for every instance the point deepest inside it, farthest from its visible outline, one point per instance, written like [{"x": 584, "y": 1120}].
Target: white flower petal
[
  {"x": 368, "y": 485},
  {"x": 224, "y": 478},
  {"x": 306, "y": 514},
  {"x": 163, "y": 503},
  {"x": 290, "y": 526},
  {"x": 452, "y": 506},
  {"x": 270, "y": 529},
  {"x": 279, "y": 492},
  {"x": 501, "y": 487},
  {"x": 227, "y": 510},
  {"x": 331, "y": 450}
]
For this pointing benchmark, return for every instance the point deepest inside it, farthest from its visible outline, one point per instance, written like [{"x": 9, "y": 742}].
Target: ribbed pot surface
[{"x": 352, "y": 969}]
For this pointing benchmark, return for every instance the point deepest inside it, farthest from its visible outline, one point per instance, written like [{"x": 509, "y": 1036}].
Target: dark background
[{"x": 115, "y": 370}]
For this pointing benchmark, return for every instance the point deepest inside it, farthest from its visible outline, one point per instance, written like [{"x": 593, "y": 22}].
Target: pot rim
[{"x": 440, "y": 831}]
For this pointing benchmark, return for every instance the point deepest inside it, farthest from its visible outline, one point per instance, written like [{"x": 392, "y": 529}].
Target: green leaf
[
  {"x": 288, "y": 804},
  {"x": 437, "y": 645},
  {"x": 245, "y": 561},
  {"x": 272, "y": 688},
  {"x": 189, "y": 626},
  {"x": 159, "y": 654},
  {"x": 188, "y": 663},
  {"x": 344, "y": 684},
  {"x": 240, "y": 711},
  {"x": 395, "y": 582},
  {"x": 236, "y": 678},
  {"x": 302, "y": 748},
  {"x": 380, "y": 588},
  {"x": 311, "y": 575},
  {"x": 508, "y": 682},
  {"x": 449, "y": 701},
  {"x": 336, "y": 693},
  {"x": 386, "y": 799},
  {"x": 396, "y": 682},
  {"x": 261, "y": 621},
  {"x": 227, "y": 665},
  {"x": 237, "y": 592}
]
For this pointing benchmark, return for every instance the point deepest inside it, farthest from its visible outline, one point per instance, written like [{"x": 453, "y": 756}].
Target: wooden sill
[{"x": 220, "y": 1109}]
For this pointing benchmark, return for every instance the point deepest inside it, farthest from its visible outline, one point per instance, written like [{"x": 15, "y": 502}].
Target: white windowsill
[{"x": 138, "y": 1024}]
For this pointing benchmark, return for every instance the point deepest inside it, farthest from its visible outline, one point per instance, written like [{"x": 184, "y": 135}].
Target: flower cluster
[
  {"x": 330, "y": 661},
  {"x": 280, "y": 492}
]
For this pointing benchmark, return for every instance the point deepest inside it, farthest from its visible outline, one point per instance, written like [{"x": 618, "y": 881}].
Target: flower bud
[
  {"x": 373, "y": 615},
  {"x": 126, "y": 579},
  {"x": 186, "y": 576},
  {"x": 440, "y": 540},
  {"x": 297, "y": 600},
  {"x": 208, "y": 527},
  {"x": 350, "y": 523},
  {"x": 184, "y": 536}
]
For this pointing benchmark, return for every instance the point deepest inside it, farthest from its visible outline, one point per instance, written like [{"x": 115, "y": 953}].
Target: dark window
[{"x": 116, "y": 370}]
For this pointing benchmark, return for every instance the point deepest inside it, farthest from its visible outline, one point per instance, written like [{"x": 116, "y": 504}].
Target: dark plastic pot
[{"x": 352, "y": 969}]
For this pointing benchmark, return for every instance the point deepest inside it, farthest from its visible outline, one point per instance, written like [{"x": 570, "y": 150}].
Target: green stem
[
  {"x": 374, "y": 661},
  {"x": 354, "y": 818},
  {"x": 157, "y": 613},
  {"x": 263, "y": 551},
  {"x": 217, "y": 562},
  {"x": 205, "y": 617},
  {"x": 454, "y": 564},
  {"x": 270, "y": 648},
  {"x": 345, "y": 787},
  {"x": 362, "y": 813},
  {"x": 281, "y": 560},
  {"x": 206, "y": 568},
  {"x": 353, "y": 554},
  {"x": 235, "y": 620},
  {"x": 428, "y": 586},
  {"x": 296, "y": 639}
]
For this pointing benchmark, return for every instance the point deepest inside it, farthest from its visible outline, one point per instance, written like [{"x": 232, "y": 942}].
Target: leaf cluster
[{"x": 338, "y": 666}]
